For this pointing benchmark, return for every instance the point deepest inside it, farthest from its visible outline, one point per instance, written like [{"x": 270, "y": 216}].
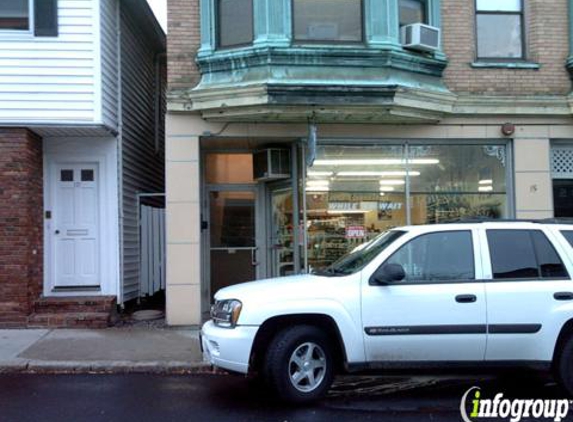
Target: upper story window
[
  {"x": 413, "y": 11},
  {"x": 328, "y": 21},
  {"x": 499, "y": 31},
  {"x": 15, "y": 15},
  {"x": 234, "y": 22}
]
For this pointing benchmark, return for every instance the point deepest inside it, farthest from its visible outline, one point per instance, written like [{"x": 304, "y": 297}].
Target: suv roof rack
[{"x": 558, "y": 220}]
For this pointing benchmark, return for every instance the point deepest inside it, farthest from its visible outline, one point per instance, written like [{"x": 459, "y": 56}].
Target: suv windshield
[{"x": 361, "y": 256}]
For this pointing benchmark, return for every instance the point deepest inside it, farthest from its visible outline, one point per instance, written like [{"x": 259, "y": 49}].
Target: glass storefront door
[
  {"x": 233, "y": 248},
  {"x": 281, "y": 243}
]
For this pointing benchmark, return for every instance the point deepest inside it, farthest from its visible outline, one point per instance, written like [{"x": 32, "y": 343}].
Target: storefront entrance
[
  {"x": 249, "y": 225},
  {"x": 284, "y": 250},
  {"x": 233, "y": 236}
]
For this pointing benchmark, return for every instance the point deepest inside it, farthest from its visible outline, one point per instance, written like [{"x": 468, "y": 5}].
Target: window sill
[
  {"x": 6, "y": 34},
  {"x": 505, "y": 65}
]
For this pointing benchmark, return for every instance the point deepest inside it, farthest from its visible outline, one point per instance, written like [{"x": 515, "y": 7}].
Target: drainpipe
[
  {"x": 158, "y": 97},
  {"x": 120, "y": 158}
]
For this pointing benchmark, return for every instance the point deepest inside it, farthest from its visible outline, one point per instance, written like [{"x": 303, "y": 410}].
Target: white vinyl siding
[
  {"x": 142, "y": 168},
  {"x": 52, "y": 79},
  {"x": 109, "y": 61}
]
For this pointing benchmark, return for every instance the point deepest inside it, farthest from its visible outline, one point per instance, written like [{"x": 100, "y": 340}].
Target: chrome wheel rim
[{"x": 307, "y": 367}]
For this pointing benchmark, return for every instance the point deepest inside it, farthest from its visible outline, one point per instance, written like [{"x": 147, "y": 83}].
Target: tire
[
  {"x": 563, "y": 369},
  {"x": 299, "y": 364}
]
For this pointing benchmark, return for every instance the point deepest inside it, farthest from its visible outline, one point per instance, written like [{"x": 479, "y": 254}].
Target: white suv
[{"x": 469, "y": 294}]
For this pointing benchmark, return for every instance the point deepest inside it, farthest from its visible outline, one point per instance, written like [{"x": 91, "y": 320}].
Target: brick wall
[
  {"x": 547, "y": 44},
  {"x": 182, "y": 43},
  {"x": 21, "y": 231}
]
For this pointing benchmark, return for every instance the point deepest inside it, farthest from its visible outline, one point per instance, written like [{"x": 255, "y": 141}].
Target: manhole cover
[{"x": 147, "y": 315}]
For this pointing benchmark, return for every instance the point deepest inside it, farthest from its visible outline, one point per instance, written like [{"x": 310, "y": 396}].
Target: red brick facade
[
  {"x": 547, "y": 43},
  {"x": 21, "y": 224},
  {"x": 182, "y": 43}
]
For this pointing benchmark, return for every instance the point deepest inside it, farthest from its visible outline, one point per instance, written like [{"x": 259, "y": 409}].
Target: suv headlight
[{"x": 225, "y": 313}]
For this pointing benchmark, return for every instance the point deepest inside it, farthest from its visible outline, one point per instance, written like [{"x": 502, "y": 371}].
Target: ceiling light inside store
[
  {"x": 485, "y": 188},
  {"x": 317, "y": 189},
  {"x": 387, "y": 188},
  {"x": 317, "y": 182},
  {"x": 391, "y": 182},
  {"x": 374, "y": 162},
  {"x": 486, "y": 182},
  {"x": 319, "y": 173},
  {"x": 377, "y": 173}
]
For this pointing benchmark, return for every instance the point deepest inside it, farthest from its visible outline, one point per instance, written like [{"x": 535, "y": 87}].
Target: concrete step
[
  {"x": 13, "y": 319},
  {"x": 70, "y": 320},
  {"x": 63, "y": 305}
]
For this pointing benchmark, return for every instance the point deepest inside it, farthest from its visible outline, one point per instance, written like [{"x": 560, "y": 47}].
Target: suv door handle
[
  {"x": 563, "y": 296},
  {"x": 466, "y": 298}
]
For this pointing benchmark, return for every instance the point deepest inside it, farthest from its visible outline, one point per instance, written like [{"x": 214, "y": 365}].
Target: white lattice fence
[{"x": 562, "y": 162}]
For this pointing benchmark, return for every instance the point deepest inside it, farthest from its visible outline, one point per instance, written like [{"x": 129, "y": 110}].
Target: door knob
[{"x": 57, "y": 232}]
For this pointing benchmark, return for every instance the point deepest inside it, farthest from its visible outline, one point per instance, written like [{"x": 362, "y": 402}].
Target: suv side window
[
  {"x": 437, "y": 257},
  {"x": 523, "y": 254},
  {"x": 550, "y": 265},
  {"x": 568, "y": 235}
]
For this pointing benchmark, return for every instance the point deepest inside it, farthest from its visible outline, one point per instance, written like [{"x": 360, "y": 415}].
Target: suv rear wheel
[
  {"x": 564, "y": 366},
  {"x": 299, "y": 364}
]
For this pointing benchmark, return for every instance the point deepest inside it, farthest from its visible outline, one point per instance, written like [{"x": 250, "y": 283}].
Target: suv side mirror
[{"x": 388, "y": 274}]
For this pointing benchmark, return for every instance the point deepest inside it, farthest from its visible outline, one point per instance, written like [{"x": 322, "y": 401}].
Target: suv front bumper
[{"x": 228, "y": 348}]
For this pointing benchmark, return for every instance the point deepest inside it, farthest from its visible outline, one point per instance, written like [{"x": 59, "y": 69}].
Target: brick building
[
  {"x": 81, "y": 135},
  {"x": 479, "y": 126}
]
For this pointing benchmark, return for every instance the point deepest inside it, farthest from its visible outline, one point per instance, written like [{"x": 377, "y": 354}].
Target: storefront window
[
  {"x": 355, "y": 192},
  {"x": 469, "y": 181},
  {"x": 352, "y": 194}
]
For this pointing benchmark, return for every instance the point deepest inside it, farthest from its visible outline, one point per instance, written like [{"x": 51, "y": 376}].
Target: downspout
[
  {"x": 157, "y": 61},
  {"x": 120, "y": 154}
]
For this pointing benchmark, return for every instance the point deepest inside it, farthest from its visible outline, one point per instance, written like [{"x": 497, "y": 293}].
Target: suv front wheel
[{"x": 299, "y": 365}]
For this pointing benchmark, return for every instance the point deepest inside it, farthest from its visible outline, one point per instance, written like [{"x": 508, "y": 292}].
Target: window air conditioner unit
[
  {"x": 418, "y": 36},
  {"x": 271, "y": 164}
]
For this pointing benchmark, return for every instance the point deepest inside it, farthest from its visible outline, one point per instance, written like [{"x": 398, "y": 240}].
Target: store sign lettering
[
  {"x": 364, "y": 206},
  {"x": 390, "y": 206},
  {"x": 344, "y": 206}
]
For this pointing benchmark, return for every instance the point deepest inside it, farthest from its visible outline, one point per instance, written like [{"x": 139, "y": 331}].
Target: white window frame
[{"x": 19, "y": 33}]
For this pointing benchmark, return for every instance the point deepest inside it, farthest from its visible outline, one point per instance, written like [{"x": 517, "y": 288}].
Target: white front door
[{"x": 75, "y": 228}]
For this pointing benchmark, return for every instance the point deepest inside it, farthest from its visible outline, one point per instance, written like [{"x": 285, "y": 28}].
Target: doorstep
[{"x": 113, "y": 350}]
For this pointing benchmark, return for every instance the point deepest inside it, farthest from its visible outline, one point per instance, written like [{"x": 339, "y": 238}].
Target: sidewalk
[{"x": 163, "y": 350}]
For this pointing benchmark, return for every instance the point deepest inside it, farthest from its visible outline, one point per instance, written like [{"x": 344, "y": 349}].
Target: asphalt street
[{"x": 140, "y": 397}]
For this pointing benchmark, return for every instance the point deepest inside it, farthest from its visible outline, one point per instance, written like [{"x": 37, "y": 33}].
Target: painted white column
[
  {"x": 533, "y": 186},
  {"x": 183, "y": 212}
]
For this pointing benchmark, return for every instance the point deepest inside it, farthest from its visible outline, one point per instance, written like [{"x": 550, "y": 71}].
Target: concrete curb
[{"x": 105, "y": 367}]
